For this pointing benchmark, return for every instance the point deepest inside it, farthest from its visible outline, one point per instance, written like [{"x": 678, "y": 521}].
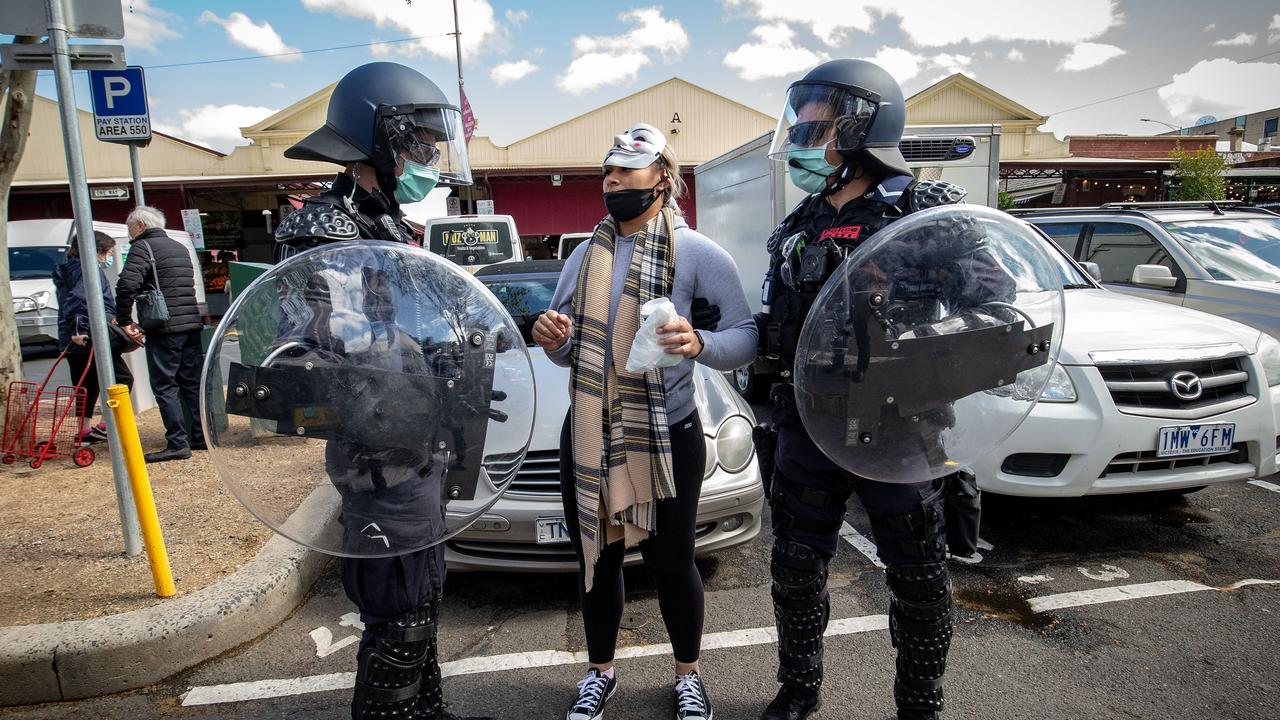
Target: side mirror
[
  {"x": 1094, "y": 271},
  {"x": 1154, "y": 276}
]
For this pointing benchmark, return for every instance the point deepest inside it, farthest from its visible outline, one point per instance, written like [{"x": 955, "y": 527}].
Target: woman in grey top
[{"x": 632, "y": 451}]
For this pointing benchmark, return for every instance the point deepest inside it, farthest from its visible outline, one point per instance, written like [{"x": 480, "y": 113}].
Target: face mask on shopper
[{"x": 626, "y": 205}]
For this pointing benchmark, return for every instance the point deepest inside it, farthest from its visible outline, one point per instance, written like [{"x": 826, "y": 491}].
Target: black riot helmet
[
  {"x": 382, "y": 111},
  {"x": 853, "y": 105}
]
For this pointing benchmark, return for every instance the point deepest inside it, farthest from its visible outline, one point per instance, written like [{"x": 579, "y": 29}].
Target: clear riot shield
[
  {"x": 372, "y": 381},
  {"x": 930, "y": 343}
]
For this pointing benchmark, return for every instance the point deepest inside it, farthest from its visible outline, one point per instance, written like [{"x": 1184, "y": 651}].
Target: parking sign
[{"x": 120, "y": 105}]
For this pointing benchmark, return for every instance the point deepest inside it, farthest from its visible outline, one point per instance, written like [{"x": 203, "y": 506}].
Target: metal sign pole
[
  {"x": 89, "y": 262},
  {"x": 138, "y": 198}
]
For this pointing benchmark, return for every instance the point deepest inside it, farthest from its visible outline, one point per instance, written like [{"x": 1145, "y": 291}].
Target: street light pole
[
  {"x": 457, "y": 46},
  {"x": 1175, "y": 128},
  {"x": 79, "y": 186}
]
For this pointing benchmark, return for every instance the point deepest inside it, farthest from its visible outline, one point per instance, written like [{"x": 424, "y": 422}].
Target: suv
[{"x": 1219, "y": 257}]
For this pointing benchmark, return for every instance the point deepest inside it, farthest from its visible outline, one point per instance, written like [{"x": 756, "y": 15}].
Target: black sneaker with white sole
[
  {"x": 692, "y": 701},
  {"x": 594, "y": 691}
]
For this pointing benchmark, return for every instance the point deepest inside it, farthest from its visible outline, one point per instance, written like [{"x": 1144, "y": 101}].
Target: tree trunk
[{"x": 17, "y": 91}]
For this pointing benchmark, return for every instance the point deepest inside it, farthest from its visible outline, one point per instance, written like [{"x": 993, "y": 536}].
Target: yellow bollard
[{"x": 152, "y": 538}]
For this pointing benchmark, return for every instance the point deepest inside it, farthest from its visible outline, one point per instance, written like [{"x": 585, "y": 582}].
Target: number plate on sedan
[
  {"x": 552, "y": 531},
  {"x": 1207, "y": 439}
]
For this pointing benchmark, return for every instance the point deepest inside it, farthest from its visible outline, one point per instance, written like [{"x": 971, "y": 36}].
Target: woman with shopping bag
[{"x": 632, "y": 452}]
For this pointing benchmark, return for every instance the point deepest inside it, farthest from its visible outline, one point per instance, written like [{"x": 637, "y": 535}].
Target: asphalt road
[{"x": 1101, "y": 608}]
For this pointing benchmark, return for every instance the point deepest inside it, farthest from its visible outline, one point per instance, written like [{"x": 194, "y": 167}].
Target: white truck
[{"x": 743, "y": 195}]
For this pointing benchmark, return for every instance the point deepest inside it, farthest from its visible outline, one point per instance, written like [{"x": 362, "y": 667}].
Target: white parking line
[
  {"x": 1265, "y": 485},
  {"x": 862, "y": 543},
  {"x": 1130, "y": 592},
  {"x": 262, "y": 689}
]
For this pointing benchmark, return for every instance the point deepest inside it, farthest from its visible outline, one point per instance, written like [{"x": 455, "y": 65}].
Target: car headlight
[
  {"x": 1060, "y": 388},
  {"x": 733, "y": 444},
  {"x": 1269, "y": 356},
  {"x": 42, "y": 299}
]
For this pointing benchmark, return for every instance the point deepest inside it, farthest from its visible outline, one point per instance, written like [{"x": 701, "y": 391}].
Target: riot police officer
[
  {"x": 839, "y": 135},
  {"x": 396, "y": 135}
]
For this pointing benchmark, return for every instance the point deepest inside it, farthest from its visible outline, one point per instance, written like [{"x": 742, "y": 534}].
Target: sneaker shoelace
[
  {"x": 590, "y": 690},
  {"x": 689, "y": 695}
]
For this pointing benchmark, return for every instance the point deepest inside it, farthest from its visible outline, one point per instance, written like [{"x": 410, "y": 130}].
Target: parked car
[
  {"x": 1219, "y": 257},
  {"x": 1145, "y": 397},
  {"x": 569, "y": 241},
  {"x": 36, "y": 247},
  {"x": 525, "y": 530},
  {"x": 474, "y": 241}
]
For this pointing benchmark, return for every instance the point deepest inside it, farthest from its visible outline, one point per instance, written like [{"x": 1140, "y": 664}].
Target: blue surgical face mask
[
  {"x": 809, "y": 169},
  {"x": 111, "y": 260},
  {"x": 415, "y": 182}
]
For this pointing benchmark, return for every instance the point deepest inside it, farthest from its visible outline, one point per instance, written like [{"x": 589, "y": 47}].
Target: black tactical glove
[
  {"x": 705, "y": 316},
  {"x": 762, "y": 329}
]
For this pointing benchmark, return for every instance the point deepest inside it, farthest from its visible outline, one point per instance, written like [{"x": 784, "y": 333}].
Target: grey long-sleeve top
[{"x": 702, "y": 269}]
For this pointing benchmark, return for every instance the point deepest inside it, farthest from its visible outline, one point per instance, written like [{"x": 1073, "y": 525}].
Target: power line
[
  {"x": 217, "y": 61},
  {"x": 1147, "y": 89},
  {"x": 296, "y": 52}
]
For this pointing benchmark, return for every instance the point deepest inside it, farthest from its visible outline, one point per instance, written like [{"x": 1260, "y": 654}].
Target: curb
[{"x": 84, "y": 658}]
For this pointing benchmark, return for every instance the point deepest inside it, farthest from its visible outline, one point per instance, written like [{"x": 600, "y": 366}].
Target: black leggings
[
  {"x": 668, "y": 553},
  {"x": 78, "y": 360}
]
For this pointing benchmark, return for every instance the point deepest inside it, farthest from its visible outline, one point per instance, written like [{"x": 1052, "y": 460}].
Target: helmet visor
[
  {"x": 433, "y": 137},
  {"x": 818, "y": 115}
]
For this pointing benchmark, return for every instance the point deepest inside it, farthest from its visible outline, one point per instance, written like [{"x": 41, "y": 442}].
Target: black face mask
[{"x": 626, "y": 205}]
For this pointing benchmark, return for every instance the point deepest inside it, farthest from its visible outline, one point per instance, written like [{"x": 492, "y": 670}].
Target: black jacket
[{"x": 177, "y": 281}]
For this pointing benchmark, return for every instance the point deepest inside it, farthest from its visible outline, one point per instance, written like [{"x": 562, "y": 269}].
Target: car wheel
[{"x": 749, "y": 385}]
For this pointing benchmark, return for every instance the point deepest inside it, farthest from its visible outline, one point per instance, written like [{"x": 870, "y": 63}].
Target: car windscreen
[
  {"x": 35, "y": 262},
  {"x": 1233, "y": 248},
  {"x": 1060, "y": 270},
  {"x": 477, "y": 242},
  {"x": 523, "y": 295}
]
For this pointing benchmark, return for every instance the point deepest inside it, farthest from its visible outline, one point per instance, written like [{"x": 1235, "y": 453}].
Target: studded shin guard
[
  {"x": 920, "y": 626},
  {"x": 801, "y": 608},
  {"x": 389, "y": 676}
]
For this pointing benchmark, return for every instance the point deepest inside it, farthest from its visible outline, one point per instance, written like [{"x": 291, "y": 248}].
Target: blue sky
[{"x": 532, "y": 63}]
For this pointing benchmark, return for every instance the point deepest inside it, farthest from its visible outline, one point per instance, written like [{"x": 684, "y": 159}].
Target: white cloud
[
  {"x": 774, "y": 54},
  {"x": 1274, "y": 27},
  {"x": 1089, "y": 55},
  {"x": 953, "y": 64},
  {"x": 1223, "y": 88},
  {"x": 422, "y": 17},
  {"x": 1240, "y": 39},
  {"x": 260, "y": 37},
  {"x": 608, "y": 60},
  {"x": 901, "y": 64},
  {"x": 1015, "y": 55},
  {"x": 144, "y": 26},
  {"x": 503, "y": 73},
  {"x": 517, "y": 17},
  {"x": 926, "y": 25},
  {"x": 216, "y": 126},
  {"x": 1210, "y": 27},
  {"x": 278, "y": 85}
]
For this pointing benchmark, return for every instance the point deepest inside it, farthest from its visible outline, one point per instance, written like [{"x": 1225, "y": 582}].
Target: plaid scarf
[{"x": 621, "y": 448}]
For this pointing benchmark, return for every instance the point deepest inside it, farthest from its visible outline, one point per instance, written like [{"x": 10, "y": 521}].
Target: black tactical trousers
[{"x": 809, "y": 498}]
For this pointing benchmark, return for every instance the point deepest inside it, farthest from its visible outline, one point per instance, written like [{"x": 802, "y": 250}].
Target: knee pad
[{"x": 799, "y": 572}]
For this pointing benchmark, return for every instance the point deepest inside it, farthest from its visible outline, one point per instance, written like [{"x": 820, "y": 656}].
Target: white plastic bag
[{"x": 647, "y": 351}]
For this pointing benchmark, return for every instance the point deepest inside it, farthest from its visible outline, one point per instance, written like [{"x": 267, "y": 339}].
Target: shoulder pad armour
[
  {"x": 932, "y": 193},
  {"x": 323, "y": 223}
]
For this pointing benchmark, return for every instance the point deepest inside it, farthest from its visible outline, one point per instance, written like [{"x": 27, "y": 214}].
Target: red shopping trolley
[{"x": 42, "y": 425}]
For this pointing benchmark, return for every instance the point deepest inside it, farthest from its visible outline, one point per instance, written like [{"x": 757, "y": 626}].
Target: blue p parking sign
[{"x": 120, "y": 105}]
